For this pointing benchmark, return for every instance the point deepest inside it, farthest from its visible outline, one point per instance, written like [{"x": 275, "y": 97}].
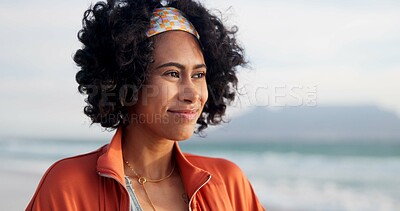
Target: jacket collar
[
  {"x": 111, "y": 164},
  {"x": 192, "y": 176}
]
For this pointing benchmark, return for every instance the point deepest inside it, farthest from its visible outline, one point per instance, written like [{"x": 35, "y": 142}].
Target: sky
[{"x": 301, "y": 53}]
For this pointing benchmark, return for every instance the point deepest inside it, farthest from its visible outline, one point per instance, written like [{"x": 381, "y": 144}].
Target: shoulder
[
  {"x": 218, "y": 167},
  {"x": 72, "y": 167},
  {"x": 67, "y": 183},
  {"x": 210, "y": 162},
  {"x": 67, "y": 178},
  {"x": 227, "y": 180}
]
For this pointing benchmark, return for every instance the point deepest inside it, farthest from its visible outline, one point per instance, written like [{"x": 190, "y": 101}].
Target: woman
[{"x": 152, "y": 72}]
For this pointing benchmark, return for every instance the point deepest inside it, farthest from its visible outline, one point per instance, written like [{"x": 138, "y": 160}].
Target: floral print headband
[{"x": 168, "y": 19}]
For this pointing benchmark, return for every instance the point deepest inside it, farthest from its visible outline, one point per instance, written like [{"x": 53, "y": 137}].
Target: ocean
[{"x": 290, "y": 176}]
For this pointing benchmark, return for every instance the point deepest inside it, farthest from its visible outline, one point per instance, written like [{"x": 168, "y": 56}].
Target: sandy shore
[
  {"x": 19, "y": 179},
  {"x": 17, "y": 189}
]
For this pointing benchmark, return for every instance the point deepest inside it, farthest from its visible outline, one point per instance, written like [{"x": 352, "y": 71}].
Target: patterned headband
[{"x": 167, "y": 19}]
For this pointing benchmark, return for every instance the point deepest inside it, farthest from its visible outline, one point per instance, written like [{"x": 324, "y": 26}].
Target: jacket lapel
[
  {"x": 110, "y": 162},
  {"x": 193, "y": 177}
]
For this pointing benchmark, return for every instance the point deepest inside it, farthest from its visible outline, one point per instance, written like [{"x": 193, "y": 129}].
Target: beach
[
  {"x": 285, "y": 176},
  {"x": 19, "y": 179},
  {"x": 16, "y": 189}
]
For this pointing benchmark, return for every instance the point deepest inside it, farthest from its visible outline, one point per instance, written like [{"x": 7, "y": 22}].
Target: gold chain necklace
[{"x": 142, "y": 180}]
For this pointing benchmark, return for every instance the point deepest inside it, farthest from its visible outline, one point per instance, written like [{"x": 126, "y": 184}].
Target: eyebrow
[{"x": 180, "y": 66}]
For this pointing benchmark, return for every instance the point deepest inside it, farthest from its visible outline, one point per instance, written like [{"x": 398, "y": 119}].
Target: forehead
[{"x": 177, "y": 46}]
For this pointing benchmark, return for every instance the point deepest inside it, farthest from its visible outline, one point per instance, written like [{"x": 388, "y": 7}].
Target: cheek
[
  {"x": 158, "y": 93},
  {"x": 149, "y": 94},
  {"x": 168, "y": 93}
]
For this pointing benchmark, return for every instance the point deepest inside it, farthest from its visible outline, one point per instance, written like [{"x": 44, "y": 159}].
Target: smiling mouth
[{"x": 184, "y": 114}]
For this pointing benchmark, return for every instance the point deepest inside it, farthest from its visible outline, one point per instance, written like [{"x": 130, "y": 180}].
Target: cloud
[
  {"x": 38, "y": 37},
  {"x": 285, "y": 34},
  {"x": 349, "y": 49},
  {"x": 38, "y": 88}
]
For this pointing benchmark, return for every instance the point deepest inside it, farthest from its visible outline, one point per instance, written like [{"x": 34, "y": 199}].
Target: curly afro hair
[{"x": 115, "y": 55}]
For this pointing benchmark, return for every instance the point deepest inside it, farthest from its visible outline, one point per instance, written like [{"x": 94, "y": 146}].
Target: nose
[{"x": 188, "y": 93}]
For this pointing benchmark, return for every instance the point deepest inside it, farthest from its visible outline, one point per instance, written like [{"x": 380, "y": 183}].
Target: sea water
[
  {"x": 318, "y": 176},
  {"x": 284, "y": 175}
]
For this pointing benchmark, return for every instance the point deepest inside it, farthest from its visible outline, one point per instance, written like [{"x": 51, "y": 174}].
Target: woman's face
[{"x": 174, "y": 96}]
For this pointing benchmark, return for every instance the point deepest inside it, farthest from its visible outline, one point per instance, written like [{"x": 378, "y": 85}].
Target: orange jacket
[{"x": 95, "y": 181}]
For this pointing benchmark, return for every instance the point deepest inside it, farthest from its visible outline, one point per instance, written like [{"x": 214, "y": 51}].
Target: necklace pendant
[{"x": 142, "y": 180}]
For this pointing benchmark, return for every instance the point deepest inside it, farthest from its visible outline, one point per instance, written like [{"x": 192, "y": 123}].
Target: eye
[
  {"x": 199, "y": 75},
  {"x": 173, "y": 74}
]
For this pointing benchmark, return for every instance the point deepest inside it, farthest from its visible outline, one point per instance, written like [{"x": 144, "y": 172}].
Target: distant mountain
[{"x": 333, "y": 123}]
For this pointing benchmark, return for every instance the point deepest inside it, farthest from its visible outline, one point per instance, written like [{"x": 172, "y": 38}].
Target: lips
[{"x": 189, "y": 114}]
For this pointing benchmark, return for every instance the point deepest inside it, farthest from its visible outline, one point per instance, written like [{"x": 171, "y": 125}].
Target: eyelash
[
  {"x": 171, "y": 74},
  {"x": 203, "y": 74},
  {"x": 176, "y": 74}
]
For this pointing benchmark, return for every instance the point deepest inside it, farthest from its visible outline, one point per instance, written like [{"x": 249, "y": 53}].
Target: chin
[
  {"x": 182, "y": 134},
  {"x": 183, "y": 138}
]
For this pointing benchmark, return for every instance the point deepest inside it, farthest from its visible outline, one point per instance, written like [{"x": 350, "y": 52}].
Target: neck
[{"x": 149, "y": 156}]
